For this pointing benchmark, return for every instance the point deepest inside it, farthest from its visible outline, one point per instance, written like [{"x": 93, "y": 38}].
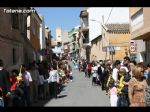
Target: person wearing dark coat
[
  {"x": 101, "y": 74},
  {"x": 4, "y": 83}
]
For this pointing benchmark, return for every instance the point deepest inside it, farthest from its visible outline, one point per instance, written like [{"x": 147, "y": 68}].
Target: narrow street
[
  {"x": 80, "y": 92},
  {"x": 38, "y": 45}
]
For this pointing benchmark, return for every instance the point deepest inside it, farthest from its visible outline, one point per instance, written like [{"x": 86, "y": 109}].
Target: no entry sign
[{"x": 132, "y": 47}]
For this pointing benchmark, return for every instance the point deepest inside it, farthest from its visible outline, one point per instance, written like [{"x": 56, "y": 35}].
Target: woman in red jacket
[
  {"x": 17, "y": 97},
  {"x": 13, "y": 80},
  {"x": 13, "y": 85}
]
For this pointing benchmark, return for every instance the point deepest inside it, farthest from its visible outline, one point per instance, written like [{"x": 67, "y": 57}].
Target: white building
[
  {"x": 59, "y": 34},
  {"x": 62, "y": 38},
  {"x": 103, "y": 15},
  {"x": 33, "y": 33},
  {"x": 42, "y": 35},
  {"x": 92, "y": 18}
]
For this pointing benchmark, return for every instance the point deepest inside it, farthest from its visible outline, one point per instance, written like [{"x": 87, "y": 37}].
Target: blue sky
[{"x": 65, "y": 17}]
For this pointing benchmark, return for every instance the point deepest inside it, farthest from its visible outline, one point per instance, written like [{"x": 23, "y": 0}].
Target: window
[
  {"x": 137, "y": 20},
  {"x": 15, "y": 20},
  {"x": 14, "y": 56},
  {"x": 25, "y": 26},
  {"x": 22, "y": 24},
  {"x": 86, "y": 39}
]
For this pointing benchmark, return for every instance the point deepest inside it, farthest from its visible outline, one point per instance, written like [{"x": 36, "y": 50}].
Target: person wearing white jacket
[
  {"x": 94, "y": 75},
  {"x": 53, "y": 80}
]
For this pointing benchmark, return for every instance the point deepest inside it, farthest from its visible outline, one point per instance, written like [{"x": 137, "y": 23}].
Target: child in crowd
[
  {"x": 113, "y": 94},
  {"x": 122, "y": 89},
  {"x": 122, "y": 73}
]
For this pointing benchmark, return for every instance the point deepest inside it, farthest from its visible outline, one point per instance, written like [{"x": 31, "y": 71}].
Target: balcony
[
  {"x": 84, "y": 13},
  {"x": 140, "y": 26},
  {"x": 85, "y": 40},
  {"x": 84, "y": 20},
  {"x": 137, "y": 20}
]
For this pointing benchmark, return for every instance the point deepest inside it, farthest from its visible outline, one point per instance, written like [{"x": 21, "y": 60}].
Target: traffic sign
[{"x": 132, "y": 48}]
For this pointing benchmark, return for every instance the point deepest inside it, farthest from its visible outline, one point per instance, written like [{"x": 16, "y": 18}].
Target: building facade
[
  {"x": 59, "y": 34},
  {"x": 42, "y": 36},
  {"x": 96, "y": 49},
  {"x": 48, "y": 38},
  {"x": 74, "y": 43},
  {"x": 13, "y": 38},
  {"x": 140, "y": 28},
  {"x": 33, "y": 33},
  {"x": 92, "y": 20},
  {"x": 84, "y": 35},
  {"x": 115, "y": 41},
  {"x": 62, "y": 38}
]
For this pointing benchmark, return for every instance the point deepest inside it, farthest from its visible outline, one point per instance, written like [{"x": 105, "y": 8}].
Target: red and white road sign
[{"x": 132, "y": 48}]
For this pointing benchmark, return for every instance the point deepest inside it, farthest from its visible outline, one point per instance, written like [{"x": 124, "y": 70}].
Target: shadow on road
[
  {"x": 41, "y": 103},
  {"x": 62, "y": 96}
]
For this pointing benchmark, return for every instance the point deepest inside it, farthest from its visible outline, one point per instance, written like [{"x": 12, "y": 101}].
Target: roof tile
[{"x": 117, "y": 27}]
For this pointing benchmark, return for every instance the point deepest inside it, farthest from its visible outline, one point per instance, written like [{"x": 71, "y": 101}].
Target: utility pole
[{"x": 103, "y": 36}]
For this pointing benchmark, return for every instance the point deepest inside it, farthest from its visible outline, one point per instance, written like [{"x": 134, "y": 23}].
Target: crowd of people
[
  {"x": 126, "y": 83},
  {"x": 33, "y": 83}
]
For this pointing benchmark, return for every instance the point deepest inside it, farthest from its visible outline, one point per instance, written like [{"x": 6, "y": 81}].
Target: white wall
[
  {"x": 59, "y": 34},
  {"x": 41, "y": 36},
  {"x": 42, "y": 32},
  {"x": 65, "y": 37},
  {"x": 140, "y": 48},
  {"x": 118, "y": 15},
  {"x": 28, "y": 25}
]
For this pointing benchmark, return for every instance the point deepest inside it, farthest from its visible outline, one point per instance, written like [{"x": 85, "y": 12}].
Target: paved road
[{"x": 80, "y": 92}]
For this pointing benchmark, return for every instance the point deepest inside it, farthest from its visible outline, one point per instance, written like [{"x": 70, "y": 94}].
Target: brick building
[
  {"x": 33, "y": 33},
  {"x": 115, "y": 41},
  {"x": 14, "y": 45}
]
